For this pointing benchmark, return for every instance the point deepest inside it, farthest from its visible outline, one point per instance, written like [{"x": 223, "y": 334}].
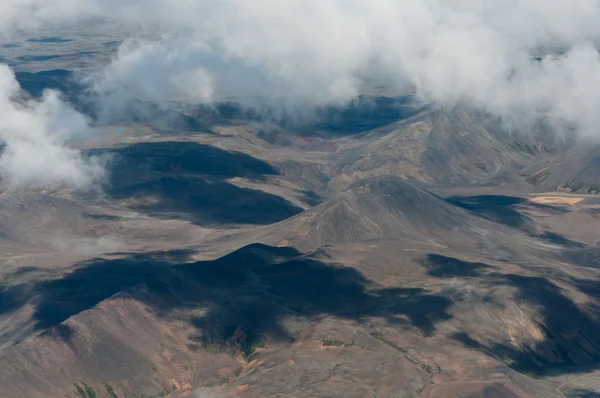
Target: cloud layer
[
  {"x": 297, "y": 54},
  {"x": 517, "y": 59},
  {"x": 313, "y": 52}
]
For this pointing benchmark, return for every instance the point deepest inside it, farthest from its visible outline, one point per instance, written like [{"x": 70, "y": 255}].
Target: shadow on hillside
[
  {"x": 505, "y": 210},
  {"x": 497, "y": 208},
  {"x": 365, "y": 113},
  {"x": 362, "y": 114},
  {"x": 11, "y": 298},
  {"x": 448, "y": 267},
  {"x": 571, "y": 338},
  {"x": 585, "y": 257},
  {"x": 558, "y": 239},
  {"x": 252, "y": 289},
  {"x": 583, "y": 393},
  {"x": 190, "y": 181}
]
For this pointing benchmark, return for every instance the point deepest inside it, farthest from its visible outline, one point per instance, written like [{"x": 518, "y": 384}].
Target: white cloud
[
  {"x": 34, "y": 134},
  {"x": 296, "y": 54}
]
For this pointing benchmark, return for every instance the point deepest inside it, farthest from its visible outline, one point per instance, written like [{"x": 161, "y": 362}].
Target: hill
[
  {"x": 442, "y": 146},
  {"x": 389, "y": 207},
  {"x": 30, "y": 218},
  {"x": 575, "y": 170}
]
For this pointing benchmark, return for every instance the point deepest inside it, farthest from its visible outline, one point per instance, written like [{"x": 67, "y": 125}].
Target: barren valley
[{"x": 393, "y": 247}]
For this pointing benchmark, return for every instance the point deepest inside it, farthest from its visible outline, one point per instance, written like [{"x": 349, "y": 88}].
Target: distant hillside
[
  {"x": 33, "y": 219},
  {"x": 389, "y": 207},
  {"x": 437, "y": 146},
  {"x": 576, "y": 170}
]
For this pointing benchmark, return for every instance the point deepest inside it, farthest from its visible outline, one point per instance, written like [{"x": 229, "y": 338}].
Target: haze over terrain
[
  {"x": 299, "y": 198},
  {"x": 519, "y": 60}
]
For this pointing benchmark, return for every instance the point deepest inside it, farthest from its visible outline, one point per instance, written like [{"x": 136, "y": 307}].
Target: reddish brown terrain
[{"x": 407, "y": 259}]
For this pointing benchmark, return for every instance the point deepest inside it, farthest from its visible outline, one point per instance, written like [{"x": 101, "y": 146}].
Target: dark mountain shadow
[
  {"x": 448, "y": 267},
  {"x": 94, "y": 281},
  {"x": 585, "y": 257},
  {"x": 359, "y": 115},
  {"x": 38, "y": 58},
  {"x": 252, "y": 289},
  {"x": 50, "y": 39},
  {"x": 497, "y": 208},
  {"x": 571, "y": 335},
  {"x": 485, "y": 201},
  {"x": 11, "y": 298},
  {"x": 207, "y": 201},
  {"x": 185, "y": 157},
  {"x": 189, "y": 180},
  {"x": 505, "y": 210},
  {"x": 68, "y": 83},
  {"x": 571, "y": 340},
  {"x": 590, "y": 287},
  {"x": 64, "y": 81},
  {"x": 56, "y": 79},
  {"x": 582, "y": 393},
  {"x": 47, "y": 57},
  {"x": 558, "y": 239},
  {"x": 59, "y": 332},
  {"x": 365, "y": 113},
  {"x": 310, "y": 198},
  {"x": 104, "y": 217}
]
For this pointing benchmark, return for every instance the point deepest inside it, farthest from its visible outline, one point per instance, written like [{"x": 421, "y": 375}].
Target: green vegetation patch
[
  {"x": 110, "y": 391},
  {"x": 84, "y": 391},
  {"x": 333, "y": 343}
]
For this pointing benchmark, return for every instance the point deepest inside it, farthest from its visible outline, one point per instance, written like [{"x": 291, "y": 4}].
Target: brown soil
[{"x": 556, "y": 200}]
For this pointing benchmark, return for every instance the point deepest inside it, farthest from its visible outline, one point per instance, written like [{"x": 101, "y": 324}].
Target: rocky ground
[{"x": 428, "y": 254}]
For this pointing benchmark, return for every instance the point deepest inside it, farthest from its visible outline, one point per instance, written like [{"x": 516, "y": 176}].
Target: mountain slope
[
  {"x": 30, "y": 218},
  {"x": 389, "y": 207},
  {"x": 437, "y": 146},
  {"x": 575, "y": 170}
]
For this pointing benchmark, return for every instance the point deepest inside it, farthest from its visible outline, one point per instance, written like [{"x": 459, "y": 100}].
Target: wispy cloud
[
  {"x": 295, "y": 55},
  {"x": 34, "y": 133}
]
